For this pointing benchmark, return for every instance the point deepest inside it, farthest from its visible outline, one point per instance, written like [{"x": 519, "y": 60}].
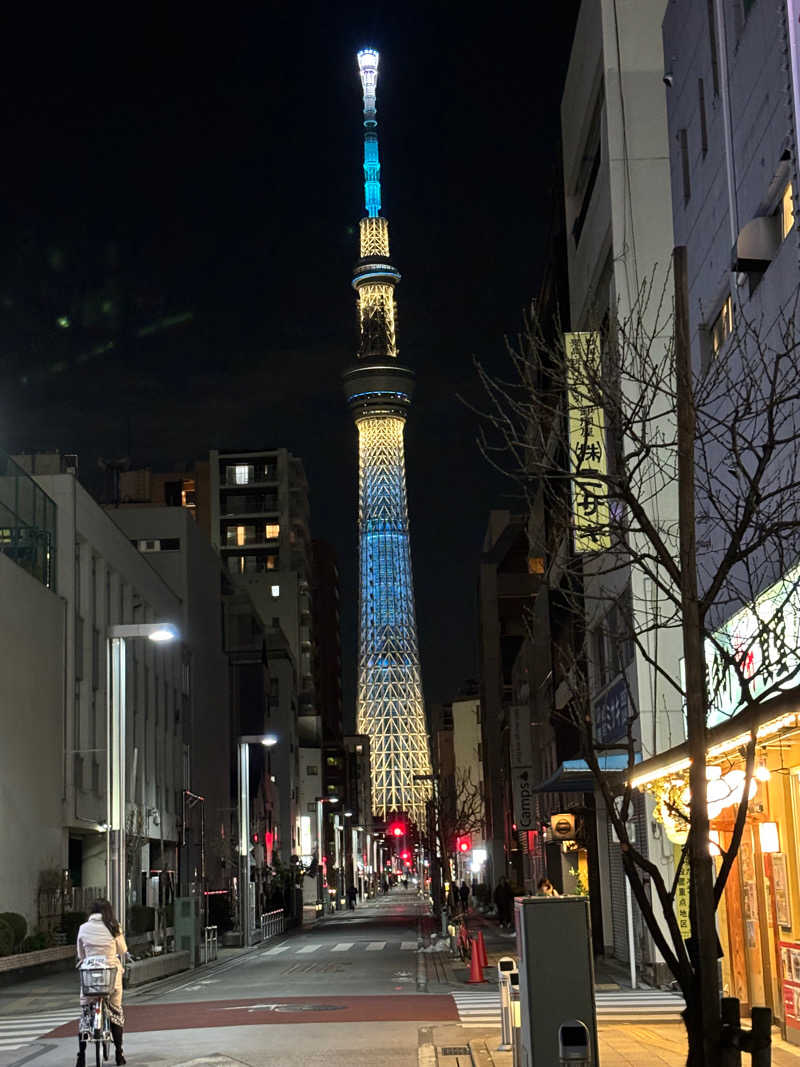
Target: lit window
[
  {"x": 786, "y": 212},
  {"x": 272, "y": 563},
  {"x": 273, "y": 530},
  {"x": 241, "y": 474},
  {"x": 276, "y": 590},
  {"x": 722, "y": 326},
  {"x": 535, "y": 565}
]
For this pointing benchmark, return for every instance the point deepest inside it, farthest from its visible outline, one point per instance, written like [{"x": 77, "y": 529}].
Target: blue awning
[{"x": 575, "y": 775}]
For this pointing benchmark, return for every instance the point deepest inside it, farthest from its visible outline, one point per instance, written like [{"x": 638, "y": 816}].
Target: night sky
[{"x": 210, "y": 167}]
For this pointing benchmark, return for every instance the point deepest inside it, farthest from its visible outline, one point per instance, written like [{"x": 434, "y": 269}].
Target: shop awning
[
  {"x": 768, "y": 719},
  {"x": 575, "y": 775}
]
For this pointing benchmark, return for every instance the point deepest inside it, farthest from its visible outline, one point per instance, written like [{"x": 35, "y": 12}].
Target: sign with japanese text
[
  {"x": 763, "y": 640},
  {"x": 587, "y": 444},
  {"x": 610, "y": 712},
  {"x": 682, "y": 895}
]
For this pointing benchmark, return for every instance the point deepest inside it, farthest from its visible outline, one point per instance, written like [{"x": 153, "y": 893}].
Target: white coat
[{"x": 95, "y": 939}]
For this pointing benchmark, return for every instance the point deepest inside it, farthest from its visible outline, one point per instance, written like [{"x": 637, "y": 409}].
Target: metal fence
[{"x": 272, "y": 924}]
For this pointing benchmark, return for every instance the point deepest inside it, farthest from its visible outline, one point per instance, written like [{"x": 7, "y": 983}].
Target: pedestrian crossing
[
  {"x": 22, "y": 1030},
  {"x": 482, "y": 1007},
  {"x": 319, "y": 947}
]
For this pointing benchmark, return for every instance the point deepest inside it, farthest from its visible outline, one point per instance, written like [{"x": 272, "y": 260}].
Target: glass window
[
  {"x": 240, "y": 535},
  {"x": 271, "y": 563},
  {"x": 722, "y": 326},
  {"x": 786, "y": 212},
  {"x": 273, "y": 530},
  {"x": 275, "y": 590},
  {"x": 241, "y": 473}
]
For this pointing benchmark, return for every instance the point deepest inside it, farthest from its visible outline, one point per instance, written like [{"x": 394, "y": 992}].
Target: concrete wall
[{"x": 32, "y": 621}]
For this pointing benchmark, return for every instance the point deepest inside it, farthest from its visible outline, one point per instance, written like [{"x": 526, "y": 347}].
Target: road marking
[
  {"x": 275, "y": 951},
  {"x": 343, "y": 946},
  {"x": 646, "y": 1005},
  {"x": 408, "y": 944},
  {"x": 376, "y": 946},
  {"x": 308, "y": 948},
  {"x": 19, "y": 1031}
]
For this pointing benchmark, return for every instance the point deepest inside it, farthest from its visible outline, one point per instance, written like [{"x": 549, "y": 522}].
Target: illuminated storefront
[{"x": 758, "y": 919}]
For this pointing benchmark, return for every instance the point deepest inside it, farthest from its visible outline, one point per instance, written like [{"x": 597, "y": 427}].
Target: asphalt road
[{"x": 343, "y": 992}]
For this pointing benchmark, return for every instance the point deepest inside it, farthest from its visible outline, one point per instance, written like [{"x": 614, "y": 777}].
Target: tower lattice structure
[{"x": 379, "y": 390}]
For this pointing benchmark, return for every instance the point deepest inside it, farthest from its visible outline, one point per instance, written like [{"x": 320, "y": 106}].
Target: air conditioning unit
[{"x": 563, "y": 827}]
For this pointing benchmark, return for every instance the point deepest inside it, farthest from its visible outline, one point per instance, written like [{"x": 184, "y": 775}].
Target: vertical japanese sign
[
  {"x": 587, "y": 444},
  {"x": 521, "y": 759},
  {"x": 682, "y": 895}
]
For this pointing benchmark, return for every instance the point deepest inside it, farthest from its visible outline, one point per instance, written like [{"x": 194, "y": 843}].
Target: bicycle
[
  {"x": 463, "y": 941},
  {"x": 97, "y": 982}
]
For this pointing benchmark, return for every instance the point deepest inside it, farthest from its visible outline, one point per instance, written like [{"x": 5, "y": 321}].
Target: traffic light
[
  {"x": 463, "y": 844},
  {"x": 255, "y": 839},
  {"x": 405, "y": 855},
  {"x": 397, "y": 829}
]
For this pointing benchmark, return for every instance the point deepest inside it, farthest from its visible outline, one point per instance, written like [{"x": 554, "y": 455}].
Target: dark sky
[{"x": 170, "y": 162}]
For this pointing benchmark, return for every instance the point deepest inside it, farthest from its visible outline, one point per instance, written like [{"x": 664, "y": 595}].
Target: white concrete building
[{"x": 619, "y": 232}]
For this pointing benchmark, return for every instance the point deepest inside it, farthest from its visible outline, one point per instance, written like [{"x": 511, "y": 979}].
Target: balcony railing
[{"x": 27, "y": 523}]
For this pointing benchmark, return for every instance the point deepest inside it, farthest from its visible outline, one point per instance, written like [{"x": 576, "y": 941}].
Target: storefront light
[
  {"x": 762, "y": 772},
  {"x": 768, "y": 836}
]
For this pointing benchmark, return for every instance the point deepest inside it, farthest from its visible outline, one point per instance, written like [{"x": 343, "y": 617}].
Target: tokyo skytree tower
[{"x": 379, "y": 391}]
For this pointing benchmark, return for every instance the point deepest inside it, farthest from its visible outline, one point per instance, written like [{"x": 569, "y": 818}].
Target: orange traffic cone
[
  {"x": 475, "y": 966},
  {"x": 482, "y": 947}
]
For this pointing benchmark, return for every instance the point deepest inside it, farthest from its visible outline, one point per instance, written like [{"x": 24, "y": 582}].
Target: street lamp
[
  {"x": 244, "y": 742},
  {"x": 116, "y": 636}
]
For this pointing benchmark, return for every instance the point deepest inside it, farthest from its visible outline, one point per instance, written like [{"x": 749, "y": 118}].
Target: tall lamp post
[
  {"x": 116, "y": 728},
  {"x": 244, "y": 742}
]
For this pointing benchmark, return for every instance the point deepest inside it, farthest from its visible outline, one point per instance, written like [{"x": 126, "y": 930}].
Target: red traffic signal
[
  {"x": 406, "y": 855},
  {"x": 397, "y": 829},
  {"x": 463, "y": 844},
  {"x": 255, "y": 839}
]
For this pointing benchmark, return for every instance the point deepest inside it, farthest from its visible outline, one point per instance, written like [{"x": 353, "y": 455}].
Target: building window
[
  {"x": 684, "y": 143},
  {"x": 701, "y": 99},
  {"x": 271, "y": 563},
  {"x": 312, "y": 769},
  {"x": 273, "y": 531},
  {"x": 786, "y": 212},
  {"x": 722, "y": 326},
  {"x": 240, "y": 535},
  {"x": 275, "y": 590},
  {"x": 712, "y": 40},
  {"x": 241, "y": 474}
]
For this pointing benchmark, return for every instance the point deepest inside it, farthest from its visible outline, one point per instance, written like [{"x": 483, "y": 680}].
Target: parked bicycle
[{"x": 97, "y": 984}]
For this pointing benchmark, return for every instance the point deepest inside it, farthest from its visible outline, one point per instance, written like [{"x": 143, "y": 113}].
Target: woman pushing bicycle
[{"x": 101, "y": 936}]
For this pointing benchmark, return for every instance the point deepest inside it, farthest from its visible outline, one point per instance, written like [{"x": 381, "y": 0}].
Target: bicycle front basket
[{"x": 97, "y": 979}]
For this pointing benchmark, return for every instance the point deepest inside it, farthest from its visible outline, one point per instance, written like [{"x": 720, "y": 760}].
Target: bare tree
[
  {"x": 458, "y": 811},
  {"x": 644, "y": 473}
]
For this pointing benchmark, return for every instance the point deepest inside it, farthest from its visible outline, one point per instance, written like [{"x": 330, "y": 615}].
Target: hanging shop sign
[
  {"x": 610, "y": 712},
  {"x": 522, "y": 797},
  {"x": 763, "y": 640},
  {"x": 587, "y": 444}
]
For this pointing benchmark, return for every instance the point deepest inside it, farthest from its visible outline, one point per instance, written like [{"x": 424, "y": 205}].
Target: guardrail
[
  {"x": 272, "y": 924},
  {"x": 210, "y": 944}
]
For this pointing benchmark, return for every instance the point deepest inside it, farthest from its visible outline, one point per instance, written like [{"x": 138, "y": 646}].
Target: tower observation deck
[{"x": 379, "y": 391}]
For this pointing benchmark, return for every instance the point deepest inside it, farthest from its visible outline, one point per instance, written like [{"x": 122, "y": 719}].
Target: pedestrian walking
[
  {"x": 503, "y": 897},
  {"x": 352, "y": 893},
  {"x": 464, "y": 894},
  {"x": 101, "y": 935}
]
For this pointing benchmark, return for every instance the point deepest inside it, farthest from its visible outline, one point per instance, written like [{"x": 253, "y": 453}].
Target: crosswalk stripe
[
  {"x": 276, "y": 950},
  {"x": 408, "y": 944},
  {"x": 343, "y": 946},
  {"x": 483, "y": 1008},
  {"x": 376, "y": 946},
  {"x": 308, "y": 948}
]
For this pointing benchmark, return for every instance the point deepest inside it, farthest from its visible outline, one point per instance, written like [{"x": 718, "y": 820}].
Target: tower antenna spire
[
  {"x": 368, "y": 60},
  {"x": 379, "y": 390}
]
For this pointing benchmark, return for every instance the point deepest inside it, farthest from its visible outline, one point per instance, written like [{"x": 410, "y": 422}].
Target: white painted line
[
  {"x": 275, "y": 951},
  {"x": 376, "y": 946},
  {"x": 308, "y": 948},
  {"x": 343, "y": 946},
  {"x": 10, "y": 1047},
  {"x": 408, "y": 944}
]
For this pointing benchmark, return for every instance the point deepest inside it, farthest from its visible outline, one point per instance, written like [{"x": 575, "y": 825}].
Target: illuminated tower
[{"x": 379, "y": 391}]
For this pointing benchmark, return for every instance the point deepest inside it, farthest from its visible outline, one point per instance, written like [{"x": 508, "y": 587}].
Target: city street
[{"x": 342, "y": 993}]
